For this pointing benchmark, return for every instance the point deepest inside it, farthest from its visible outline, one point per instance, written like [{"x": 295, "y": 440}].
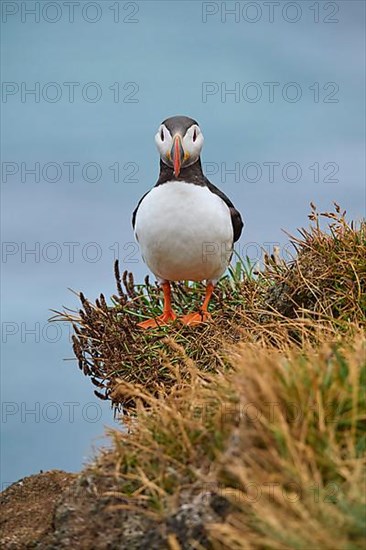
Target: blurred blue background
[{"x": 148, "y": 61}]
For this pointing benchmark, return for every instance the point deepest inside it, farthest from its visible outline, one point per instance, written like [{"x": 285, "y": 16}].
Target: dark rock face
[{"x": 58, "y": 510}]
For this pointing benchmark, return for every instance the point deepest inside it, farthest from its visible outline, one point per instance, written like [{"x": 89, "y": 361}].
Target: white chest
[{"x": 185, "y": 232}]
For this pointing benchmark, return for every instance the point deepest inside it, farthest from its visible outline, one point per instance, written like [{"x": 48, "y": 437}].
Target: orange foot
[
  {"x": 162, "y": 320},
  {"x": 195, "y": 318}
]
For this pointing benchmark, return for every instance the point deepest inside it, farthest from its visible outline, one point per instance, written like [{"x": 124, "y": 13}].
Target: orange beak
[{"x": 177, "y": 154}]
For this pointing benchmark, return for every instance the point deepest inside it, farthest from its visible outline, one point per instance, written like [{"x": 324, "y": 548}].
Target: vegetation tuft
[
  {"x": 326, "y": 283},
  {"x": 247, "y": 432}
]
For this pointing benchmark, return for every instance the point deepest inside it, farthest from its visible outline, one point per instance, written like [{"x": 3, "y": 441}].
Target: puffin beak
[{"x": 177, "y": 154}]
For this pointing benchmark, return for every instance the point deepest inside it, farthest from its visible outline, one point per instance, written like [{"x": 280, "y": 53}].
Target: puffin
[{"x": 185, "y": 226}]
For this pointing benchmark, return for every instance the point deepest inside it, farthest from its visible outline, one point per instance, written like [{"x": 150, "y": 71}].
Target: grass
[
  {"x": 250, "y": 427},
  {"x": 326, "y": 282},
  {"x": 280, "y": 444}
]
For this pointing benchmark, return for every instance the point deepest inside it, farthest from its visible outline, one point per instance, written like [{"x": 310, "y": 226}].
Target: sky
[{"x": 278, "y": 90}]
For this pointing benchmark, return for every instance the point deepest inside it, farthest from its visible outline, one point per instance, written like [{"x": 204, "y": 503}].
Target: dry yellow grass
[
  {"x": 251, "y": 428},
  {"x": 277, "y": 444},
  {"x": 326, "y": 282}
]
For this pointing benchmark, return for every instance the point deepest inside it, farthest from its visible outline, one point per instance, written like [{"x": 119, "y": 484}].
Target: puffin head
[{"x": 179, "y": 141}]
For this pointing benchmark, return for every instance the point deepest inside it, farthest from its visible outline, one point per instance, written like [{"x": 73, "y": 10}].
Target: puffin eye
[
  {"x": 162, "y": 135},
  {"x": 194, "y": 135}
]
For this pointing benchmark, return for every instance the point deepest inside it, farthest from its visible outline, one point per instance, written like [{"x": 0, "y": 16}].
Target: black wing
[
  {"x": 235, "y": 215},
  {"x": 137, "y": 207}
]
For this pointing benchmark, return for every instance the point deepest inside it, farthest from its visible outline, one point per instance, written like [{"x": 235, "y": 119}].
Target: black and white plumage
[{"x": 186, "y": 227}]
